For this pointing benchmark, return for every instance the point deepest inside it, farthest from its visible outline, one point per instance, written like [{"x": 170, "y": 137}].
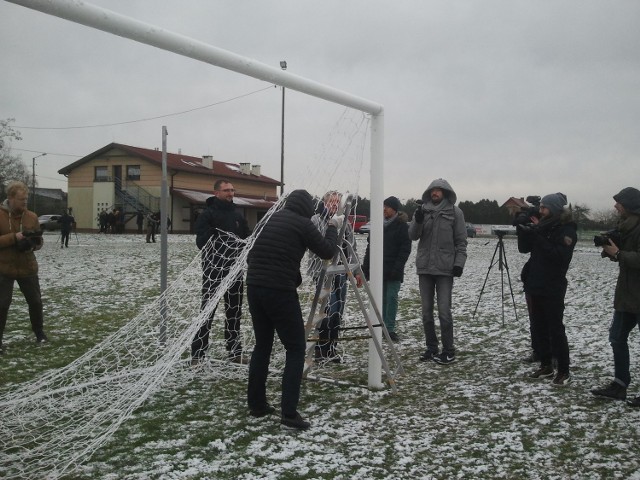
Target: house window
[
  {"x": 133, "y": 172},
  {"x": 102, "y": 174}
]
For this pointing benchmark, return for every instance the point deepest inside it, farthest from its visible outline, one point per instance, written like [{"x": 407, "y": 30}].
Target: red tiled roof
[{"x": 175, "y": 161}]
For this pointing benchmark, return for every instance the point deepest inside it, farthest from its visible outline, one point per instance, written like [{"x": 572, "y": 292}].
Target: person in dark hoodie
[
  {"x": 222, "y": 224},
  {"x": 438, "y": 225},
  {"x": 396, "y": 248},
  {"x": 273, "y": 277},
  {"x": 550, "y": 240},
  {"x": 625, "y": 250}
]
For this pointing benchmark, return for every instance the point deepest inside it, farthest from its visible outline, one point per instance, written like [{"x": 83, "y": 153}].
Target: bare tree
[{"x": 11, "y": 166}]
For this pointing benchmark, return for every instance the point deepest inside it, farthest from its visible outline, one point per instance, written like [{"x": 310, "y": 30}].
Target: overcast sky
[{"x": 501, "y": 98}]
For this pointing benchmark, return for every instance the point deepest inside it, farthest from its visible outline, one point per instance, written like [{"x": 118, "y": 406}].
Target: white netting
[{"x": 52, "y": 424}]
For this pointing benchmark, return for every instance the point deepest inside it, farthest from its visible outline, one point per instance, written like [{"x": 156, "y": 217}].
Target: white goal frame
[{"x": 117, "y": 24}]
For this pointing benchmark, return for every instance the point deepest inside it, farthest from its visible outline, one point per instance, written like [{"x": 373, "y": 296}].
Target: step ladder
[{"x": 340, "y": 265}]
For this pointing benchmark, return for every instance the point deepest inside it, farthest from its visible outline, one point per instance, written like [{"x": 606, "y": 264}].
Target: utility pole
[{"x": 33, "y": 180}]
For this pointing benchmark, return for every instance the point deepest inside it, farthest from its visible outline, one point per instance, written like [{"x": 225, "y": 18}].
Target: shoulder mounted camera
[
  {"x": 32, "y": 240},
  {"x": 523, "y": 217}
]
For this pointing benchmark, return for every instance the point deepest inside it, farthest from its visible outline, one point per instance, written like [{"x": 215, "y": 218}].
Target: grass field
[{"x": 477, "y": 418}]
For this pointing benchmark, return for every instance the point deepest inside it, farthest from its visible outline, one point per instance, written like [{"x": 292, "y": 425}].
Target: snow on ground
[{"x": 477, "y": 418}]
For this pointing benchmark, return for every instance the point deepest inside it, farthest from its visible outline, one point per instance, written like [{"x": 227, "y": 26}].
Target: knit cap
[
  {"x": 629, "y": 198},
  {"x": 393, "y": 202},
  {"x": 555, "y": 202}
]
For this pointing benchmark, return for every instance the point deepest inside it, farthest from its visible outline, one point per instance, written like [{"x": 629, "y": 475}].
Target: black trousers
[
  {"x": 276, "y": 311},
  {"x": 547, "y": 330},
  {"x": 30, "y": 287},
  {"x": 233, "y": 313}
]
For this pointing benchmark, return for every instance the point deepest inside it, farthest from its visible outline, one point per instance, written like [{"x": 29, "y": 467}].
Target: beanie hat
[
  {"x": 629, "y": 198},
  {"x": 393, "y": 202},
  {"x": 555, "y": 202}
]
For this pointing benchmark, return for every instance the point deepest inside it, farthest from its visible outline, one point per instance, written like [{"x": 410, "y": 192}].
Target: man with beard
[{"x": 442, "y": 252}]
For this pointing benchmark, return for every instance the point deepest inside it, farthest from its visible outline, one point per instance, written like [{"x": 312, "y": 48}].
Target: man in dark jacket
[
  {"x": 221, "y": 224},
  {"x": 550, "y": 239},
  {"x": 396, "y": 248},
  {"x": 273, "y": 276},
  {"x": 625, "y": 250},
  {"x": 438, "y": 225},
  {"x": 66, "y": 225}
]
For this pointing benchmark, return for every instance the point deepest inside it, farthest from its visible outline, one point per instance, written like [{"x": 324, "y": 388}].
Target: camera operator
[
  {"x": 20, "y": 236},
  {"x": 625, "y": 250},
  {"x": 550, "y": 239}
]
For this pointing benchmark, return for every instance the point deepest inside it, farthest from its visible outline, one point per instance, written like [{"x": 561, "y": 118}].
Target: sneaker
[
  {"x": 240, "y": 359},
  {"x": 394, "y": 337},
  {"x": 561, "y": 379},
  {"x": 612, "y": 390},
  {"x": 262, "y": 411},
  {"x": 545, "y": 371},
  {"x": 444, "y": 358},
  {"x": 635, "y": 403},
  {"x": 41, "y": 338},
  {"x": 296, "y": 422},
  {"x": 428, "y": 356}
]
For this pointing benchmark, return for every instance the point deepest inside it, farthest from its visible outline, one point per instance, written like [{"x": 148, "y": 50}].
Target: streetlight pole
[
  {"x": 283, "y": 66},
  {"x": 33, "y": 180}
]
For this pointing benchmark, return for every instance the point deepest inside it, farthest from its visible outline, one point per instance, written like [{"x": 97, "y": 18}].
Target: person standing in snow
[
  {"x": 624, "y": 249},
  {"x": 438, "y": 225}
]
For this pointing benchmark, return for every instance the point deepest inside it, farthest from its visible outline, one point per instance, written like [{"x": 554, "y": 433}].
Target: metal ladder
[{"x": 339, "y": 265}]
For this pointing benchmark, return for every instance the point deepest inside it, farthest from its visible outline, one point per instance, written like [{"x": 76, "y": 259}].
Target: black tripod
[{"x": 502, "y": 266}]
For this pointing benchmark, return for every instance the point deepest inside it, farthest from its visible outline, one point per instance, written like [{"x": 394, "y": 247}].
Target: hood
[
  {"x": 300, "y": 202},
  {"x": 441, "y": 183}
]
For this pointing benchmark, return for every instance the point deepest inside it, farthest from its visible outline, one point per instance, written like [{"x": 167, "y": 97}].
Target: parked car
[
  {"x": 366, "y": 228},
  {"x": 49, "y": 222},
  {"x": 357, "y": 221},
  {"x": 471, "y": 230}
]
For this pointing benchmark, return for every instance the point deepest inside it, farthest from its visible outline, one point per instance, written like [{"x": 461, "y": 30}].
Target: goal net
[{"x": 52, "y": 424}]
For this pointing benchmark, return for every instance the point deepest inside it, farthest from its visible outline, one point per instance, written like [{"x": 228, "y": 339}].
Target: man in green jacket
[{"x": 624, "y": 248}]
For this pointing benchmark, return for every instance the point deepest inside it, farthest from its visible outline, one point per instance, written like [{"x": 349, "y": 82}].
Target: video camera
[
  {"x": 604, "y": 237},
  {"x": 523, "y": 217},
  {"x": 32, "y": 240}
]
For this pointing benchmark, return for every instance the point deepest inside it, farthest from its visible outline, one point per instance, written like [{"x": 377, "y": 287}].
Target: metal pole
[
  {"x": 163, "y": 240},
  {"x": 283, "y": 65},
  {"x": 33, "y": 180}
]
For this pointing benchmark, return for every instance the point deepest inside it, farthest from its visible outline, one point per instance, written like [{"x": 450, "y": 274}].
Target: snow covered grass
[{"x": 477, "y": 418}]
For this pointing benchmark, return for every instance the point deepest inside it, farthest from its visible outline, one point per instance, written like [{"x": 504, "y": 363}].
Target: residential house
[{"x": 129, "y": 179}]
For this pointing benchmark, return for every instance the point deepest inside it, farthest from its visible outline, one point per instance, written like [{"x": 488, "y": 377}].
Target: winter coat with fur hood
[{"x": 442, "y": 236}]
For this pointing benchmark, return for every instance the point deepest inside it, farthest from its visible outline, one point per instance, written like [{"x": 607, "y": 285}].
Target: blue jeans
[
  {"x": 442, "y": 286},
  {"x": 621, "y": 326},
  {"x": 330, "y": 325},
  {"x": 390, "y": 289},
  {"x": 276, "y": 311}
]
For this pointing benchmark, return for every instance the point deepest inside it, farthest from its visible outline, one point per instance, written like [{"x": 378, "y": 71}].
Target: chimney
[
  {"x": 255, "y": 170},
  {"x": 245, "y": 168},
  {"x": 207, "y": 161}
]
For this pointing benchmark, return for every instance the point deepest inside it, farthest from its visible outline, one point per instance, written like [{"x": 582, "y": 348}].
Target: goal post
[{"x": 126, "y": 27}]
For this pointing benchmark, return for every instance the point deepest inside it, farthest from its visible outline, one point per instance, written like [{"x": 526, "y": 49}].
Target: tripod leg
[
  {"x": 486, "y": 277},
  {"x": 513, "y": 299}
]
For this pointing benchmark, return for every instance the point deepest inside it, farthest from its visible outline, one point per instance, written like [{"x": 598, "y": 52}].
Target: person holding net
[
  {"x": 217, "y": 229},
  {"x": 273, "y": 276},
  {"x": 329, "y": 327}
]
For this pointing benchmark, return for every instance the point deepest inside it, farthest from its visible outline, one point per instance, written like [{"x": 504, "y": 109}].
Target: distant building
[
  {"x": 514, "y": 205},
  {"x": 48, "y": 201},
  {"x": 129, "y": 179}
]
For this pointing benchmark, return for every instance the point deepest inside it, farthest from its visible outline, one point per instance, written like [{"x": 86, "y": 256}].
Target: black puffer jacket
[
  {"x": 274, "y": 260},
  {"x": 396, "y": 248},
  {"x": 220, "y": 216},
  {"x": 551, "y": 244}
]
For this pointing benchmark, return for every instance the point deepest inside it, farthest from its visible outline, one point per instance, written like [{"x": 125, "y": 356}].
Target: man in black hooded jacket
[
  {"x": 273, "y": 277},
  {"x": 220, "y": 222}
]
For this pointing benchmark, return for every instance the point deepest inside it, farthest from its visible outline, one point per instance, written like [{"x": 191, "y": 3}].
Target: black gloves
[
  {"x": 457, "y": 271},
  {"x": 418, "y": 216}
]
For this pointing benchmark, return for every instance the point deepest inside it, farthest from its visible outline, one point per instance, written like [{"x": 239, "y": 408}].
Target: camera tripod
[{"x": 502, "y": 266}]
